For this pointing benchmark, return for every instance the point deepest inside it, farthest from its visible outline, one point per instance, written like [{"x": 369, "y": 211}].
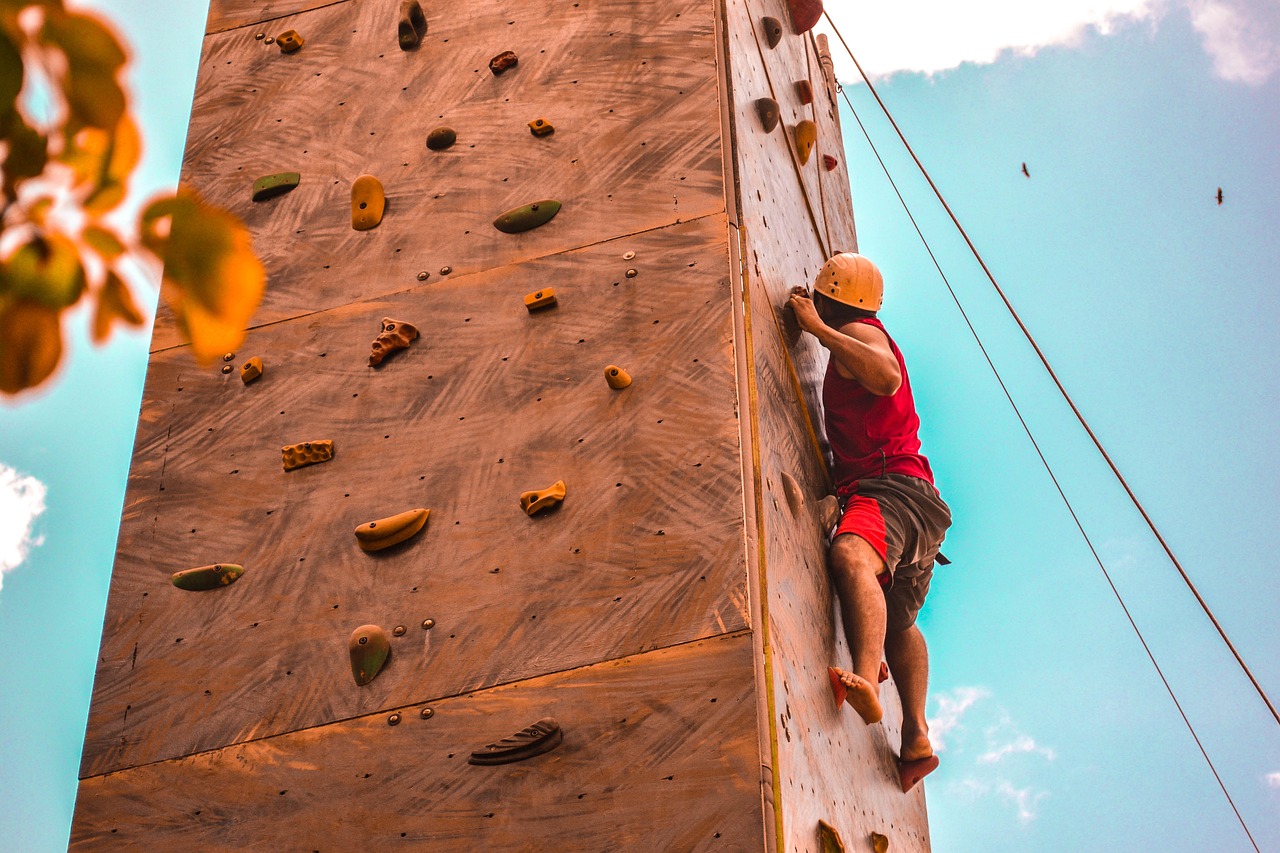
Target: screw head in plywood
[{"x": 628, "y": 256}]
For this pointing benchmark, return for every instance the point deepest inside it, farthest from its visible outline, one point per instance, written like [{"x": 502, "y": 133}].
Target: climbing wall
[{"x": 637, "y": 563}]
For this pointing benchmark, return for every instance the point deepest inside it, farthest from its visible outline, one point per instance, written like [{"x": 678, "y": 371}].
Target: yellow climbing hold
[
  {"x": 806, "y": 138},
  {"x": 306, "y": 453},
  {"x": 541, "y": 127},
  {"x": 537, "y": 501},
  {"x": 251, "y": 370},
  {"x": 828, "y": 839},
  {"x": 385, "y": 532},
  {"x": 616, "y": 377},
  {"x": 544, "y": 298},
  {"x": 289, "y": 41},
  {"x": 368, "y": 202}
]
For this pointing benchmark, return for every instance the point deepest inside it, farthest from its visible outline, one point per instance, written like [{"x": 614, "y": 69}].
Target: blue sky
[{"x": 1154, "y": 304}]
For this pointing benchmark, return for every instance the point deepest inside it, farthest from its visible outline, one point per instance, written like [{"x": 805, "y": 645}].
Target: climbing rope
[
  {"x": 1061, "y": 389},
  {"x": 1048, "y": 468}
]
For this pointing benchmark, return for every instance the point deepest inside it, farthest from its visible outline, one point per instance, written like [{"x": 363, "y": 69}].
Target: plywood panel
[
  {"x": 491, "y": 401},
  {"x": 659, "y": 753},
  {"x": 630, "y": 88},
  {"x": 229, "y": 14}
]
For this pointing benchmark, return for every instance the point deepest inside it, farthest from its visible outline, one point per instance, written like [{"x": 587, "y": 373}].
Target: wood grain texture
[
  {"x": 630, "y": 88},
  {"x": 830, "y": 766},
  {"x": 491, "y": 401},
  {"x": 229, "y": 14},
  {"x": 659, "y": 753}
]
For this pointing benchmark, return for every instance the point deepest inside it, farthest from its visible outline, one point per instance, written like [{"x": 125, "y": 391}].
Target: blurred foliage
[{"x": 68, "y": 146}]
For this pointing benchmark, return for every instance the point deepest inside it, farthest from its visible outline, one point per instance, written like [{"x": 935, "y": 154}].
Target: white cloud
[
  {"x": 1242, "y": 37},
  {"x": 951, "y": 709},
  {"x": 1025, "y": 799},
  {"x": 21, "y": 502},
  {"x": 1273, "y": 780},
  {"x": 1020, "y": 744}
]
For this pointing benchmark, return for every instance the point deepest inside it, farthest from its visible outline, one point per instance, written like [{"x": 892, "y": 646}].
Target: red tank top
[{"x": 871, "y": 435}]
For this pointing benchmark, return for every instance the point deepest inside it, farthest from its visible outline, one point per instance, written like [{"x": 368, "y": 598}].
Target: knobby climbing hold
[
  {"x": 804, "y": 91},
  {"x": 413, "y": 24},
  {"x": 806, "y": 138},
  {"x": 385, "y": 532},
  {"x": 307, "y": 453},
  {"x": 270, "y": 186},
  {"x": 772, "y": 31},
  {"x": 369, "y": 648},
  {"x": 767, "y": 109},
  {"x": 828, "y": 839},
  {"x": 441, "y": 138},
  {"x": 544, "y": 298},
  {"x": 368, "y": 202},
  {"x": 251, "y": 370},
  {"x": 543, "y": 736},
  {"x": 395, "y": 335},
  {"x": 527, "y": 216},
  {"x": 616, "y": 377},
  {"x": 879, "y": 843},
  {"x": 503, "y": 61},
  {"x": 207, "y": 577},
  {"x": 289, "y": 41},
  {"x": 535, "y": 502},
  {"x": 804, "y": 14},
  {"x": 829, "y": 162},
  {"x": 541, "y": 127}
]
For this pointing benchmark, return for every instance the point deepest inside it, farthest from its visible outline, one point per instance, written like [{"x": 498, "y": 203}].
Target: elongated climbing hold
[
  {"x": 541, "y": 127},
  {"x": 307, "y": 453},
  {"x": 806, "y": 138},
  {"x": 616, "y": 377},
  {"x": 829, "y": 162},
  {"x": 772, "y": 31},
  {"x": 368, "y": 647},
  {"x": 368, "y": 203},
  {"x": 536, "y": 501},
  {"x": 527, "y": 216},
  {"x": 767, "y": 109},
  {"x": 207, "y": 577},
  {"x": 804, "y": 14},
  {"x": 537, "y": 300},
  {"x": 395, "y": 335},
  {"x": 503, "y": 61},
  {"x": 289, "y": 41},
  {"x": 804, "y": 91},
  {"x": 543, "y": 736},
  {"x": 828, "y": 839},
  {"x": 392, "y": 530},
  {"x": 251, "y": 370},
  {"x": 270, "y": 186},
  {"x": 412, "y": 26},
  {"x": 441, "y": 138},
  {"x": 795, "y": 495}
]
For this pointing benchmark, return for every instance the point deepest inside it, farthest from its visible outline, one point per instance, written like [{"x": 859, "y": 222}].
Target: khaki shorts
[{"x": 905, "y": 520}]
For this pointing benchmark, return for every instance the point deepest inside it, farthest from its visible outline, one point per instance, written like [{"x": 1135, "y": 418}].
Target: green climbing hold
[
  {"x": 207, "y": 577},
  {"x": 368, "y": 648},
  {"x": 527, "y": 216},
  {"x": 270, "y": 186}
]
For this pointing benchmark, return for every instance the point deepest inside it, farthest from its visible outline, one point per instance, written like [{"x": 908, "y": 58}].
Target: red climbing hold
[
  {"x": 830, "y": 162},
  {"x": 804, "y": 14},
  {"x": 503, "y": 61},
  {"x": 911, "y": 772},
  {"x": 804, "y": 91}
]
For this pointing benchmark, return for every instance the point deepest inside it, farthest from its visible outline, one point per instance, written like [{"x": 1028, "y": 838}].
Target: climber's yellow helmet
[{"x": 851, "y": 279}]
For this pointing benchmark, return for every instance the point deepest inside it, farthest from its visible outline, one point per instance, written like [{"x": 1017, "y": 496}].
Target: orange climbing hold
[
  {"x": 385, "y": 532},
  {"x": 306, "y": 453},
  {"x": 541, "y": 127},
  {"x": 368, "y": 203},
  {"x": 804, "y": 14},
  {"x": 879, "y": 843},
  {"x": 806, "y": 138},
  {"x": 828, "y": 839},
  {"x": 251, "y": 370},
  {"x": 289, "y": 41},
  {"x": 544, "y": 298},
  {"x": 616, "y": 377},
  {"x": 535, "y": 502},
  {"x": 395, "y": 335}
]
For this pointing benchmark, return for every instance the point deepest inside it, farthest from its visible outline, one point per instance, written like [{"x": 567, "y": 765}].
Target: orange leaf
[
  {"x": 115, "y": 303},
  {"x": 30, "y": 344}
]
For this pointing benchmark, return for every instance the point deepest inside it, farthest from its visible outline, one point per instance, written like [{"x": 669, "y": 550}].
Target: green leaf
[
  {"x": 213, "y": 280},
  {"x": 46, "y": 270},
  {"x": 94, "y": 56},
  {"x": 28, "y": 152},
  {"x": 103, "y": 241}
]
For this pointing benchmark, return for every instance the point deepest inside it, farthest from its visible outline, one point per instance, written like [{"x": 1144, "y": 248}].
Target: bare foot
[
  {"x": 862, "y": 696},
  {"x": 915, "y": 747}
]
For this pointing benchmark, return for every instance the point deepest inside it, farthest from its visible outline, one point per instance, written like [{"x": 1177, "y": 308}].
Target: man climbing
[{"x": 893, "y": 519}]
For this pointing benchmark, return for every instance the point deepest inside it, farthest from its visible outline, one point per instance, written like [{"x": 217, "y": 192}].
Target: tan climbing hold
[
  {"x": 829, "y": 162},
  {"x": 616, "y": 377},
  {"x": 503, "y": 62},
  {"x": 395, "y": 335},
  {"x": 289, "y": 41},
  {"x": 535, "y": 502},
  {"x": 541, "y": 127},
  {"x": 385, "y": 532},
  {"x": 307, "y": 453},
  {"x": 413, "y": 24},
  {"x": 806, "y": 138},
  {"x": 804, "y": 91},
  {"x": 206, "y": 578},
  {"x": 767, "y": 110},
  {"x": 368, "y": 647},
  {"x": 828, "y": 839},
  {"x": 795, "y": 495},
  {"x": 368, "y": 202},
  {"x": 251, "y": 370},
  {"x": 544, "y": 298}
]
